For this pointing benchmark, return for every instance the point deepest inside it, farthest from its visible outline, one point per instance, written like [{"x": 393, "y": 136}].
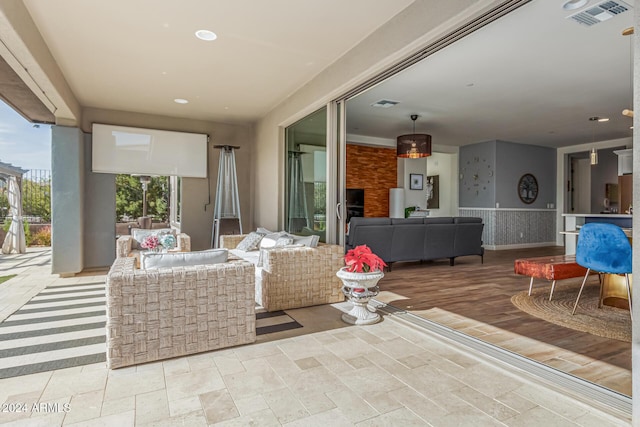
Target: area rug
[
  {"x": 64, "y": 326},
  {"x": 608, "y": 322},
  {"x": 276, "y": 321}
]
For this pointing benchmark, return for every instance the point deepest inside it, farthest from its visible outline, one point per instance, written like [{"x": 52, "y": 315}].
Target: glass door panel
[{"x": 306, "y": 177}]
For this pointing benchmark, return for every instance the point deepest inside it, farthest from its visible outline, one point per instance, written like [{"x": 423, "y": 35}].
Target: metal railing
[{"x": 36, "y": 197}]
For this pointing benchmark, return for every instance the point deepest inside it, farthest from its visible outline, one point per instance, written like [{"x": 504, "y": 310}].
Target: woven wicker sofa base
[
  {"x": 160, "y": 314},
  {"x": 296, "y": 277}
]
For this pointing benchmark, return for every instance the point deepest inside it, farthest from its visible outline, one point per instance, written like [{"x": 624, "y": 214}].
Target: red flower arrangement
[{"x": 361, "y": 260}]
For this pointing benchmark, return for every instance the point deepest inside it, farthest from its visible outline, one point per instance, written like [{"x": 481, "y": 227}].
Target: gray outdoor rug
[{"x": 64, "y": 326}]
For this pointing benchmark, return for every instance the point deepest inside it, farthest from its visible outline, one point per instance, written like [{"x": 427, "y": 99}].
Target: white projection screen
[{"x": 127, "y": 150}]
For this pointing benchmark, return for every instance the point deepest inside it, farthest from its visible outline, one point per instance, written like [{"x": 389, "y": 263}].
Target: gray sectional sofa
[{"x": 418, "y": 239}]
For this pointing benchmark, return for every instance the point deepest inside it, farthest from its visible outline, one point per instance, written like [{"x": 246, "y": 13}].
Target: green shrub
[
  {"x": 42, "y": 237},
  {"x": 25, "y": 225}
]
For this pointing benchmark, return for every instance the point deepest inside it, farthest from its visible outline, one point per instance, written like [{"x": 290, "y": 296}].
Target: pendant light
[
  {"x": 415, "y": 145},
  {"x": 593, "y": 156}
]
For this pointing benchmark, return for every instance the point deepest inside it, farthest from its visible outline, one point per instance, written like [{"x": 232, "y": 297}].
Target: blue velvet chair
[{"x": 606, "y": 249}]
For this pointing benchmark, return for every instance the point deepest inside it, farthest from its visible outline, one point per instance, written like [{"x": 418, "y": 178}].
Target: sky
[{"x": 21, "y": 144}]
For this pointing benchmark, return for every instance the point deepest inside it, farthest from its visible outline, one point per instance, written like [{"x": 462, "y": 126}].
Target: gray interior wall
[
  {"x": 515, "y": 160},
  {"x": 67, "y": 200},
  {"x": 477, "y": 164},
  {"x": 99, "y": 214},
  {"x": 605, "y": 172}
]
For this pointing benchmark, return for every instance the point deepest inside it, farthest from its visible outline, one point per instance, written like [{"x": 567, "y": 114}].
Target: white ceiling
[
  {"x": 140, "y": 55},
  {"x": 536, "y": 76},
  {"x": 531, "y": 77}
]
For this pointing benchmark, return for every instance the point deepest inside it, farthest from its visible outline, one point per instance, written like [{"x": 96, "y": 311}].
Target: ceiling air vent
[
  {"x": 600, "y": 12},
  {"x": 385, "y": 103}
]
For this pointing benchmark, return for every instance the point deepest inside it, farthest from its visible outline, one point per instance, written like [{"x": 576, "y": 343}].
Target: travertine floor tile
[
  {"x": 73, "y": 382},
  {"x": 314, "y": 402},
  {"x": 402, "y": 417},
  {"x": 242, "y": 385},
  {"x": 251, "y": 404},
  {"x": 132, "y": 383},
  {"x": 489, "y": 406},
  {"x": 263, "y": 418},
  {"x": 218, "y": 406},
  {"x": 84, "y": 407},
  {"x": 564, "y": 406},
  {"x": 199, "y": 382},
  {"x": 184, "y": 406},
  {"x": 539, "y": 416},
  {"x": 123, "y": 419},
  {"x": 152, "y": 406},
  {"x": 354, "y": 407},
  {"x": 285, "y": 406},
  {"x": 117, "y": 406},
  {"x": 333, "y": 418}
]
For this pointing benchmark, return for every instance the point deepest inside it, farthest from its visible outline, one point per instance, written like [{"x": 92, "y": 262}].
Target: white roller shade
[{"x": 120, "y": 149}]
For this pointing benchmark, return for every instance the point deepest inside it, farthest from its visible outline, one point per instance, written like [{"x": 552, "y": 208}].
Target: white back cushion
[{"x": 180, "y": 259}]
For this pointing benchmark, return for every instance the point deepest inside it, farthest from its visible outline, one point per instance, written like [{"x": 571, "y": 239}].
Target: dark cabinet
[{"x": 625, "y": 192}]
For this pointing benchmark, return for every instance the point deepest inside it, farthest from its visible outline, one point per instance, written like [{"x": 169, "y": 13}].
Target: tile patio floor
[{"x": 323, "y": 374}]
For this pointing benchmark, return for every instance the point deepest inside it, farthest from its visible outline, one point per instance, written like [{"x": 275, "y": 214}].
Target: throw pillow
[
  {"x": 269, "y": 241},
  {"x": 182, "y": 259},
  {"x": 284, "y": 241},
  {"x": 139, "y": 234},
  {"x": 251, "y": 242},
  {"x": 310, "y": 241}
]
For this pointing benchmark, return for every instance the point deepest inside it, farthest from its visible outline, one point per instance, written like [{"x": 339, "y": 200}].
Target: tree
[
  {"x": 129, "y": 197},
  {"x": 36, "y": 198}
]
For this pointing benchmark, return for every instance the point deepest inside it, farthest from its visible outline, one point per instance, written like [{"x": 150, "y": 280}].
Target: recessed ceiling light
[
  {"x": 574, "y": 4},
  {"x": 206, "y": 35},
  {"x": 180, "y": 101}
]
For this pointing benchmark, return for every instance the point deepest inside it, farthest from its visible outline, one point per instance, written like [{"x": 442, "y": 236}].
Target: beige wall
[
  {"x": 198, "y": 194},
  {"x": 26, "y": 52},
  {"x": 445, "y": 165},
  {"x": 421, "y": 23}
]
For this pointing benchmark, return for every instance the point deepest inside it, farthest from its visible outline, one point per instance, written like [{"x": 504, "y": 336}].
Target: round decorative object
[
  {"x": 359, "y": 288},
  {"x": 477, "y": 176},
  {"x": 528, "y": 188}
]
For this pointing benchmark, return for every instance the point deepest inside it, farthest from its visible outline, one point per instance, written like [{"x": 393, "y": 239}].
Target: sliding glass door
[{"x": 306, "y": 176}]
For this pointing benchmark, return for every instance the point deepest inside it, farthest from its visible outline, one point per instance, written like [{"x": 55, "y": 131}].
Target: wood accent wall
[{"x": 376, "y": 170}]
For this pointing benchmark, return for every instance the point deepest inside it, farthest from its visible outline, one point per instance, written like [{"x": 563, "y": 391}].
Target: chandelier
[{"x": 415, "y": 145}]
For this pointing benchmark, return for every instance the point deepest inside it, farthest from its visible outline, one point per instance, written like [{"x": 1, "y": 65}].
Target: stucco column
[{"x": 67, "y": 200}]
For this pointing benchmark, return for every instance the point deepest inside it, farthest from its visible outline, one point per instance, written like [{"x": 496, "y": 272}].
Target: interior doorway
[{"x": 580, "y": 185}]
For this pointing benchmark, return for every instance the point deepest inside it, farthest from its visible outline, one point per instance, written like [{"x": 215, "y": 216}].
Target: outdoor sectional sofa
[
  {"x": 418, "y": 239},
  {"x": 162, "y": 313},
  {"x": 293, "y": 277}
]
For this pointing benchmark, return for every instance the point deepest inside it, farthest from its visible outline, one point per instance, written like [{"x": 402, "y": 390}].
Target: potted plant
[{"x": 360, "y": 278}]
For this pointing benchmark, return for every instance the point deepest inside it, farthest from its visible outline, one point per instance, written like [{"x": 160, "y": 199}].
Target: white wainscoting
[{"x": 515, "y": 228}]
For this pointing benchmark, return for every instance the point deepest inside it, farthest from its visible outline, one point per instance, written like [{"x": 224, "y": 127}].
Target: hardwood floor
[{"x": 476, "y": 299}]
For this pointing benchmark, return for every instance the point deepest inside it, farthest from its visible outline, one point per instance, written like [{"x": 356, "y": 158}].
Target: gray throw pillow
[
  {"x": 151, "y": 260},
  {"x": 310, "y": 241},
  {"x": 251, "y": 242}
]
